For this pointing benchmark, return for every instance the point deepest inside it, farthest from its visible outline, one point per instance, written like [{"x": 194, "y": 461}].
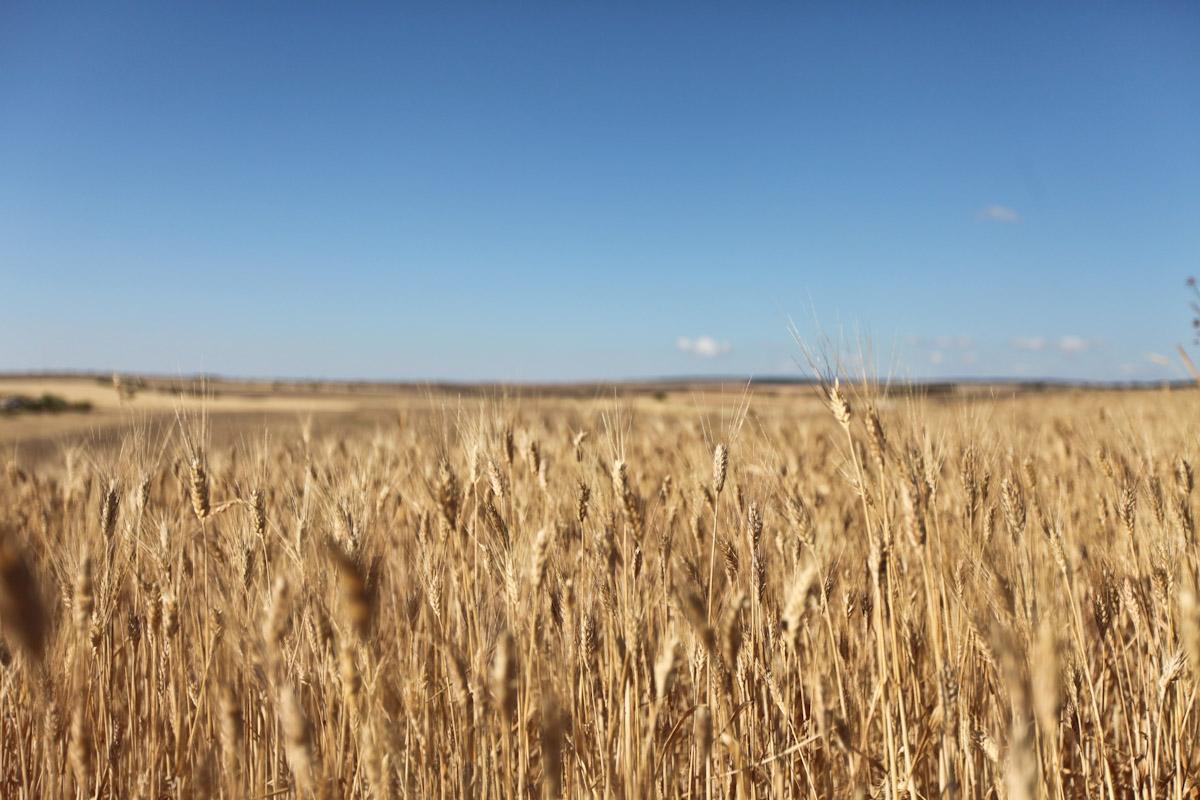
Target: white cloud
[
  {"x": 997, "y": 213},
  {"x": 1029, "y": 343},
  {"x": 1066, "y": 344},
  {"x": 1159, "y": 359},
  {"x": 702, "y": 346},
  {"x": 936, "y": 357},
  {"x": 1073, "y": 344}
]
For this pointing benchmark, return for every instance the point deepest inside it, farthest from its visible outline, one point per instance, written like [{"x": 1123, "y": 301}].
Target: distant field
[{"x": 238, "y": 405}]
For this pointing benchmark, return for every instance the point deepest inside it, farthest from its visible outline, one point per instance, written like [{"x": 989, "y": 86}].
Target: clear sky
[{"x": 594, "y": 190}]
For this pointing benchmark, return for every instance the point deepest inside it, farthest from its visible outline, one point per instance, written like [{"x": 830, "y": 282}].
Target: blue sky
[{"x": 570, "y": 190}]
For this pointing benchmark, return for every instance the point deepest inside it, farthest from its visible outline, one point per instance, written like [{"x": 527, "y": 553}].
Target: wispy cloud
[
  {"x": 1074, "y": 344},
  {"x": 997, "y": 213},
  {"x": 1159, "y": 359},
  {"x": 1069, "y": 345},
  {"x": 1066, "y": 344},
  {"x": 702, "y": 346},
  {"x": 1029, "y": 343}
]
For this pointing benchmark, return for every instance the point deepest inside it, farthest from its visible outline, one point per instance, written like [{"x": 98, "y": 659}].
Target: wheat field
[{"x": 834, "y": 593}]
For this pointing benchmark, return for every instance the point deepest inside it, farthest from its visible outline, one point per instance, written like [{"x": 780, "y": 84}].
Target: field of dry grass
[{"x": 702, "y": 594}]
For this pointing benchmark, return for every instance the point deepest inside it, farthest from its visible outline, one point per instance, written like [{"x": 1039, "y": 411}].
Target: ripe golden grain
[{"x": 432, "y": 610}]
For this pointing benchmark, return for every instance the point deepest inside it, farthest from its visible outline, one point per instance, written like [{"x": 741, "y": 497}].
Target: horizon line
[{"x": 775, "y": 379}]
